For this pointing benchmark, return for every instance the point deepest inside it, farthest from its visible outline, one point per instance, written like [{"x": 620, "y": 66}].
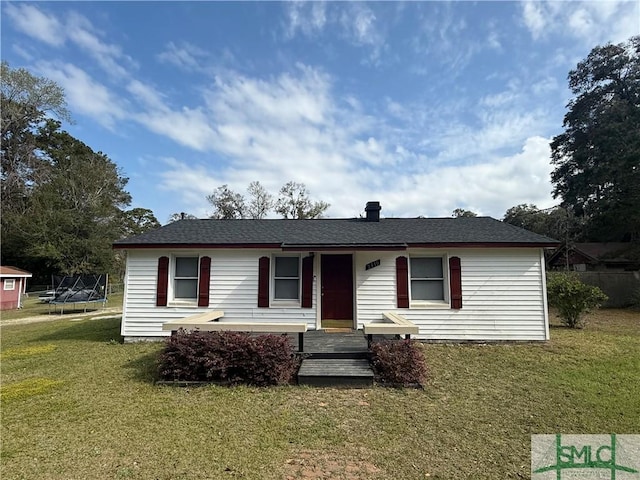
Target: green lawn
[{"x": 76, "y": 403}]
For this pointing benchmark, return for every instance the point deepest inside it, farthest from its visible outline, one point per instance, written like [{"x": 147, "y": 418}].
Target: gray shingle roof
[{"x": 355, "y": 232}]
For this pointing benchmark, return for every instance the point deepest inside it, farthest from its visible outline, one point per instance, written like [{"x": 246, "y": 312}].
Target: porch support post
[{"x": 301, "y": 341}]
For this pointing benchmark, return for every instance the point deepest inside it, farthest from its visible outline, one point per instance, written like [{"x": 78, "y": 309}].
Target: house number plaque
[{"x": 371, "y": 265}]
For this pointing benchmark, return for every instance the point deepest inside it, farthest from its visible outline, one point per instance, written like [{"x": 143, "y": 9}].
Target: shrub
[
  {"x": 572, "y": 297},
  {"x": 398, "y": 363},
  {"x": 228, "y": 357}
]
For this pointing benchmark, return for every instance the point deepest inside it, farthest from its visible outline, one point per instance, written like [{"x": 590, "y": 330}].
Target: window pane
[
  {"x": 186, "y": 289},
  {"x": 427, "y": 290},
  {"x": 287, "y": 267},
  {"x": 426, "y": 268},
  {"x": 186, "y": 266},
  {"x": 286, "y": 289}
]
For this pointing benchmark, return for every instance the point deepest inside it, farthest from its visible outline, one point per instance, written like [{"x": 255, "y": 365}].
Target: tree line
[
  {"x": 596, "y": 159},
  {"x": 63, "y": 204}
]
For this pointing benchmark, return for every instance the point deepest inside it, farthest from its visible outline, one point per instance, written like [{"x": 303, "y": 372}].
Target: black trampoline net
[{"x": 79, "y": 288}]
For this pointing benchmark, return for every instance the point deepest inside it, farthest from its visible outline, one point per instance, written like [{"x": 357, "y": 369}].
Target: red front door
[{"x": 337, "y": 287}]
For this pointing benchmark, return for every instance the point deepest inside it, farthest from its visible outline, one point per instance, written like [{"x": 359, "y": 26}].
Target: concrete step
[{"x": 336, "y": 372}]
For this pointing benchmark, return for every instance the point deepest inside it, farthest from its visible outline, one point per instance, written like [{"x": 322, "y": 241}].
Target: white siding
[
  {"x": 503, "y": 295},
  {"x": 233, "y": 288},
  {"x": 375, "y": 288}
]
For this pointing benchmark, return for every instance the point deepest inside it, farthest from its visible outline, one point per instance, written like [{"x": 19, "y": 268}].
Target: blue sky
[{"x": 423, "y": 106}]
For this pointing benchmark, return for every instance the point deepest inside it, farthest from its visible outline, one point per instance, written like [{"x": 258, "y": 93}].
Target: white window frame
[
  {"x": 445, "y": 282},
  {"x": 274, "y": 279},
  {"x": 172, "y": 280},
  {"x": 9, "y": 281}
]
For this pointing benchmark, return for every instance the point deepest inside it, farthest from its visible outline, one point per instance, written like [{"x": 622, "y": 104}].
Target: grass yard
[{"x": 77, "y": 403}]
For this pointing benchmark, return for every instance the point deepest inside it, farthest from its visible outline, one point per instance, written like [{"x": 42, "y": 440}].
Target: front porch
[{"x": 330, "y": 356}]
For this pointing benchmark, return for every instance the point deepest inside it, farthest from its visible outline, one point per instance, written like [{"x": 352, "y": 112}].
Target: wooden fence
[{"x": 622, "y": 288}]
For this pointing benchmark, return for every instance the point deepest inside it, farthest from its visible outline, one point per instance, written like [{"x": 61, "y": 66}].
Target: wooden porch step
[{"x": 336, "y": 372}]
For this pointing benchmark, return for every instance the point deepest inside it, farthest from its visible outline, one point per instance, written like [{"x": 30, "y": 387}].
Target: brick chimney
[{"x": 373, "y": 211}]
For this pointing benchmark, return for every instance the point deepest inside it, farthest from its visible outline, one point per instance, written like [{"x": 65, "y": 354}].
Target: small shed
[{"x": 13, "y": 284}]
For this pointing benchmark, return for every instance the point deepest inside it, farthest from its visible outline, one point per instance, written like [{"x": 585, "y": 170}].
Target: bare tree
[
  {"x": 294, "y": 202},
  {"x": 227, "y": 204},
  {"x": 260, "y": 201}
]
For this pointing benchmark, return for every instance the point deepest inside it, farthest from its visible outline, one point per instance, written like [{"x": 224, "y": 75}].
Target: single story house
[
  {"x": 594, "y": 256},
  {"x": 13, "y": 284},
  {"x": 457, "y": 279}
]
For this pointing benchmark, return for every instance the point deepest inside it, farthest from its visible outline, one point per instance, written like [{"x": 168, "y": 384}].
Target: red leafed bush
[
  {"x": 228, "y": 357},
  {"x": 398, "y": 362}
]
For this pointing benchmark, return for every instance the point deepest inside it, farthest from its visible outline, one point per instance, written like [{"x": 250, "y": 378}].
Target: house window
[
  {"x": 185, "y": 278},
  {"x": 9, "y": 284},
  {"x": 286, "y": 278},
  {"x": 427, "y": 279}
]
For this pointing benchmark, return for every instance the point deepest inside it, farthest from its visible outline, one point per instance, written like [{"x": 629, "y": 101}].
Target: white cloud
[
  {"x": 333, "y": 150},
  {"x": 496, "y": 183},
  {"x": 84, "y": 94},
  {"x": 442, "y": 39},
  {"x": 200, "y": 181},
  {"x": 545, "y": 86},
  {"x": 493, "y": 40},
  {"x": 37, "y": 24},
  {"x": 285, "y": 100},
  {"x": 307, "y": 17},
  {"x": 534, "y": 17},
  {"x": 501, "y": 99},
  {"x": 109, "y": 56},
  {"x": 186, "y": 126},
  {"x": 360, "y": 24},
  {"x": 75, "y": 28},
  {"x": 146, "y": 95},
  {"x": 594, "y": 22},
  {"x": 186, "y": 56},
  {"x": 356, "y": 22}
]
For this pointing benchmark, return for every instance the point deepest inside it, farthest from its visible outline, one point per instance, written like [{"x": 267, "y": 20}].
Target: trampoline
[{"x": 78, "y": 292}]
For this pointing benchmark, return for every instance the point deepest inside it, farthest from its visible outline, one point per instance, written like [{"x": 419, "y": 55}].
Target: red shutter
[
  {"x": 307, "y": 282},
  {"x": 402, "y": 282},
  {"x": 263, "y": 282},
  {"x": 455, "y": 281},
  {"x": 163, "y": 281},
  {"x": 203, "y": 283}
]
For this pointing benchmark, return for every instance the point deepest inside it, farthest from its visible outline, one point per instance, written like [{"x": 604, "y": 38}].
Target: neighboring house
[
  {"x": 13, "y": 284},
  {"x": 456, "y": 278},
  {"x": 583, "y": 257}
]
